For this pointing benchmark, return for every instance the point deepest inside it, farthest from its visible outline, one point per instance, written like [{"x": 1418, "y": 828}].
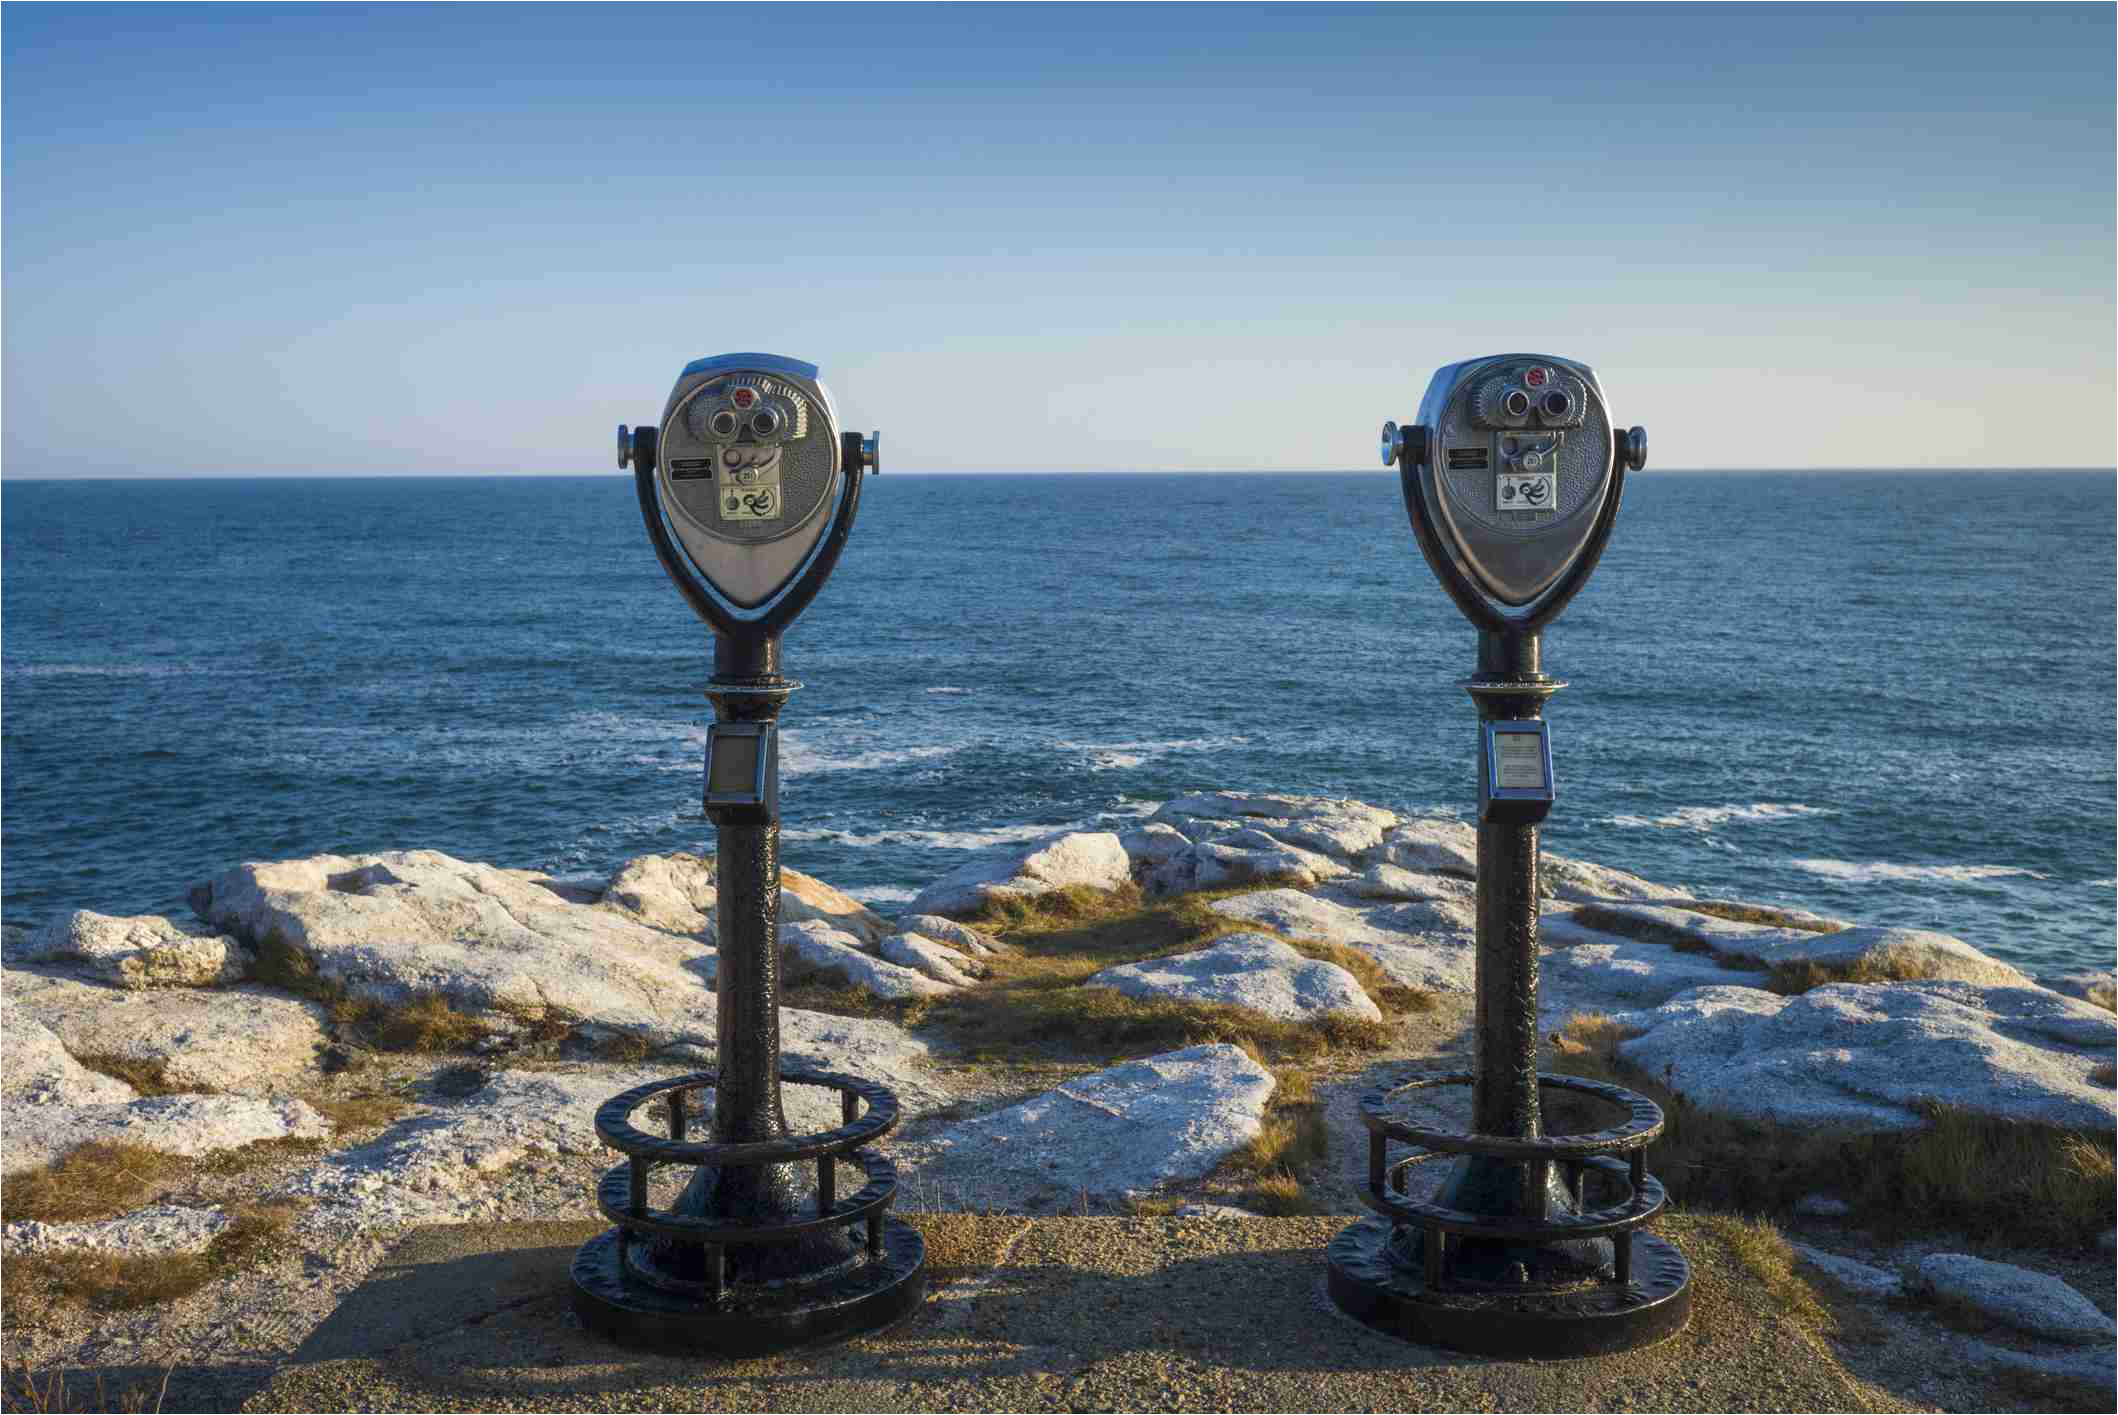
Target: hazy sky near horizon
[{"x": 255, "y": 239}]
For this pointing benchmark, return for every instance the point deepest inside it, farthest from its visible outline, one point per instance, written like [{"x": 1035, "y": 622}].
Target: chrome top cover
[
  {"x": 1515, "y": 489},
  {"x": 749, "y": 474}
]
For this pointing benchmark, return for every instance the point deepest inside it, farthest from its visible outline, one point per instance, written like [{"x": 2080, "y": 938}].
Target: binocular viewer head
[
  {"x": 1512, "y": 475},
  {"x": 748, "y": 486}
]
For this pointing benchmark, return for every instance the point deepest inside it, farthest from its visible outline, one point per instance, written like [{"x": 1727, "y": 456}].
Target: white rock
[
  {"x": 437, "y": 1165},
  {"x": 1934, "y": 955},
  {"x": 1247, "y": 970},
  {"x": 2028, "y": 1301},
  {"x": 164, "y": 1228},
  {"x": 2091, "y": 1372},
  {"x": 141, "y": 951},
  {"x": 1677, "y": 927},
  {"x": 2095, "y": 985},
  {"x": 1124, "y": 1131},
  {"x": 1440, "y": 960},
  {"x": 1432, "y": 845},
  {"x": 676, "y": 893},
  {"x": 811, "y": 947},
  {"x": 505, "y": 945},
  {"x": 177, "y": 1125},
  {"x": 1865, "y": 1058},
  {"x": 244, "y": 1039},
  {"x": 36, "y": 1070},
  {"x": 947, "y": 932},
  {"x": 1859, "y": 1278},
  {"x": 1822, "y": 1206},
  {"x": 1561, "y": 878},
  {"x": 1245, "y": 855},
  {"x": 1321, "y": 824},
  {"x": 924, "y": 955},
  {"x": 1625, "y": 972},
  {"x": 1091, "y": 858},
  {"x": 1385, "y": 881},
  {"x": 1161, "y": 856},
  {"x": 868, "y": 1047}
]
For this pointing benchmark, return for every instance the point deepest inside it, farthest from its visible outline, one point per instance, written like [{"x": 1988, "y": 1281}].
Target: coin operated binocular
[
  {"x": 1534, "y": 1245},
  {"x": 749, "y": 490},
  {"x": 1512, "y": 478}
]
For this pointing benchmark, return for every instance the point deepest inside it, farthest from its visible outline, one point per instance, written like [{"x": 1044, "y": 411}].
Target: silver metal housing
[
  {"x": 1515, "y": 498},
  {"x": 749, "y": 510}
]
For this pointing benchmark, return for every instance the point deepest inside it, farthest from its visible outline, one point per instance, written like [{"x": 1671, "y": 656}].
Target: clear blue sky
[{"x": 343, "y": 239}]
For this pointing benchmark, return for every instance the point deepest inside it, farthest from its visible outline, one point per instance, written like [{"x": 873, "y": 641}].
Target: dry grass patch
[
  {"x": 1292, "y": 1145},
  {"x": 2105, "y": 1075},
  {"x": 2028, "y": 1184},
  {"x": 1889, "y": 966},
  {"x": 98, "y": 1180},
  {"x": 1764, "y": 1250},
  {"x": 424, "y": 1022},
  {"x": 352, "y": 1114},
  {"x": 1034, "y": 996},
  {"x": 146, "y": 1075},
  {"x": 1610, "y": 921},
  {"x": 2103, "y": 996},
  {"x": 1754, "y": 914},
  {"x": 43, "y": 1287}
]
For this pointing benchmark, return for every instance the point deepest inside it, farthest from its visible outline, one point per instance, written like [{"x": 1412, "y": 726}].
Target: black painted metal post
[
  {"x": 1504, "y": 1097},
  {"x": 1510, "y": 685},
  {"x": 747, "y": 686}
]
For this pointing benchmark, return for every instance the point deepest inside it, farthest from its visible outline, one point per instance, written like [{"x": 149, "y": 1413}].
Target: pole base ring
[
  {"x": 1594, "y": 1320},
  {"x": 874, "y": 1293}
]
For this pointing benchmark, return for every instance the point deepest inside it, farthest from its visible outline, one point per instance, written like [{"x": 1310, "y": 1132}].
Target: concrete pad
[{"x": 1029, "y": 1314}]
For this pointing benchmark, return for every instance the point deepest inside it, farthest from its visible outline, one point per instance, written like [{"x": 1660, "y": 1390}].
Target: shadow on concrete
[{"x": 1022, "y": 1314}]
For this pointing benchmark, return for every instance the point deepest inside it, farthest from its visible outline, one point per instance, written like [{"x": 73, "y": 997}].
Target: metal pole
[{"x": 747, "y": 687}]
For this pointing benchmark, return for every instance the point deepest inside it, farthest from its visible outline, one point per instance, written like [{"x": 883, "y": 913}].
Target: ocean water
[{"x": 1882, "y": 695}]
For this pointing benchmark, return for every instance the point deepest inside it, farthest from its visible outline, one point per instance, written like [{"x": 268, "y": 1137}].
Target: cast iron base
[
  {"x": 751, "y": 1321},
  {"x": 1590, "y": 1320}
]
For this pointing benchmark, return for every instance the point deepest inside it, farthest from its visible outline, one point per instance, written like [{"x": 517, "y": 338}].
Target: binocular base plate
[
  {"x": 1594, "y": 1319},
  {"x": 872, "y": 1294}
]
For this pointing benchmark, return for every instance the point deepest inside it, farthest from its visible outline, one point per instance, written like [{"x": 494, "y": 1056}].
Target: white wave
[
  {"x": 1703, "y": 818},
  {"x": 798, "y": 758},
  {"x": 932, "y": 839},
  {"x": 1853, "y": 872},
  {"x": 883, "y": 894},
  {"x": 950, "y": 692},
  {"x": 1120, "y": 756},
  {"x": 2103, "y": 884}
]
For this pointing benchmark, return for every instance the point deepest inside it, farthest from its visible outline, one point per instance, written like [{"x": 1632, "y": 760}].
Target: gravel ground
[{"x": 1031, "y": 1314}]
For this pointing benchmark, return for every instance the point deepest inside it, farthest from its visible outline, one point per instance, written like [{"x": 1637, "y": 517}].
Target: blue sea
[{"x": 1882, "y": 695}]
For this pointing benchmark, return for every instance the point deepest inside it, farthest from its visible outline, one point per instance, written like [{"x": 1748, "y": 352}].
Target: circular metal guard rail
[
  {"x": 622, "y": 1192},
  {"x": 1576, "y": 1153}
]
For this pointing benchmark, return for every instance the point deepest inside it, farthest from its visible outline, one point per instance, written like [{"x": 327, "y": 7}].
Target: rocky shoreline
[{"x": 363, "y": 1043}]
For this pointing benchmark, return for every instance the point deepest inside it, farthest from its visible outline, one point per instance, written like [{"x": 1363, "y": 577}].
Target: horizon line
[{"x": 6, "y": 479}]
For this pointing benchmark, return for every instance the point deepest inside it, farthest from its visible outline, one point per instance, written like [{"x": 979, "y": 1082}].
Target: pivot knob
[
  {"x": 1632, "y": 448},
  {"x": 871, "y": 452},
  {"x": 1393, "y": 444},
  {"x": 624, "y": 447}
]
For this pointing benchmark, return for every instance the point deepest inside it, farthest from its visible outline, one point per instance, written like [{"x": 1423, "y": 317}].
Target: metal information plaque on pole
[
  {"x": 1535, "y": 1245},
  {"x": 748, "y": 490}
]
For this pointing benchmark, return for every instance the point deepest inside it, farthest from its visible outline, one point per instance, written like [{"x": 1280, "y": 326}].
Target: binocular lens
[
  {"x": 1557, "y": 404},
  {"x": 1517, "y": 403},
  {"x": 764, "y": 422},
  {"x": 723, "y": 423}
]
